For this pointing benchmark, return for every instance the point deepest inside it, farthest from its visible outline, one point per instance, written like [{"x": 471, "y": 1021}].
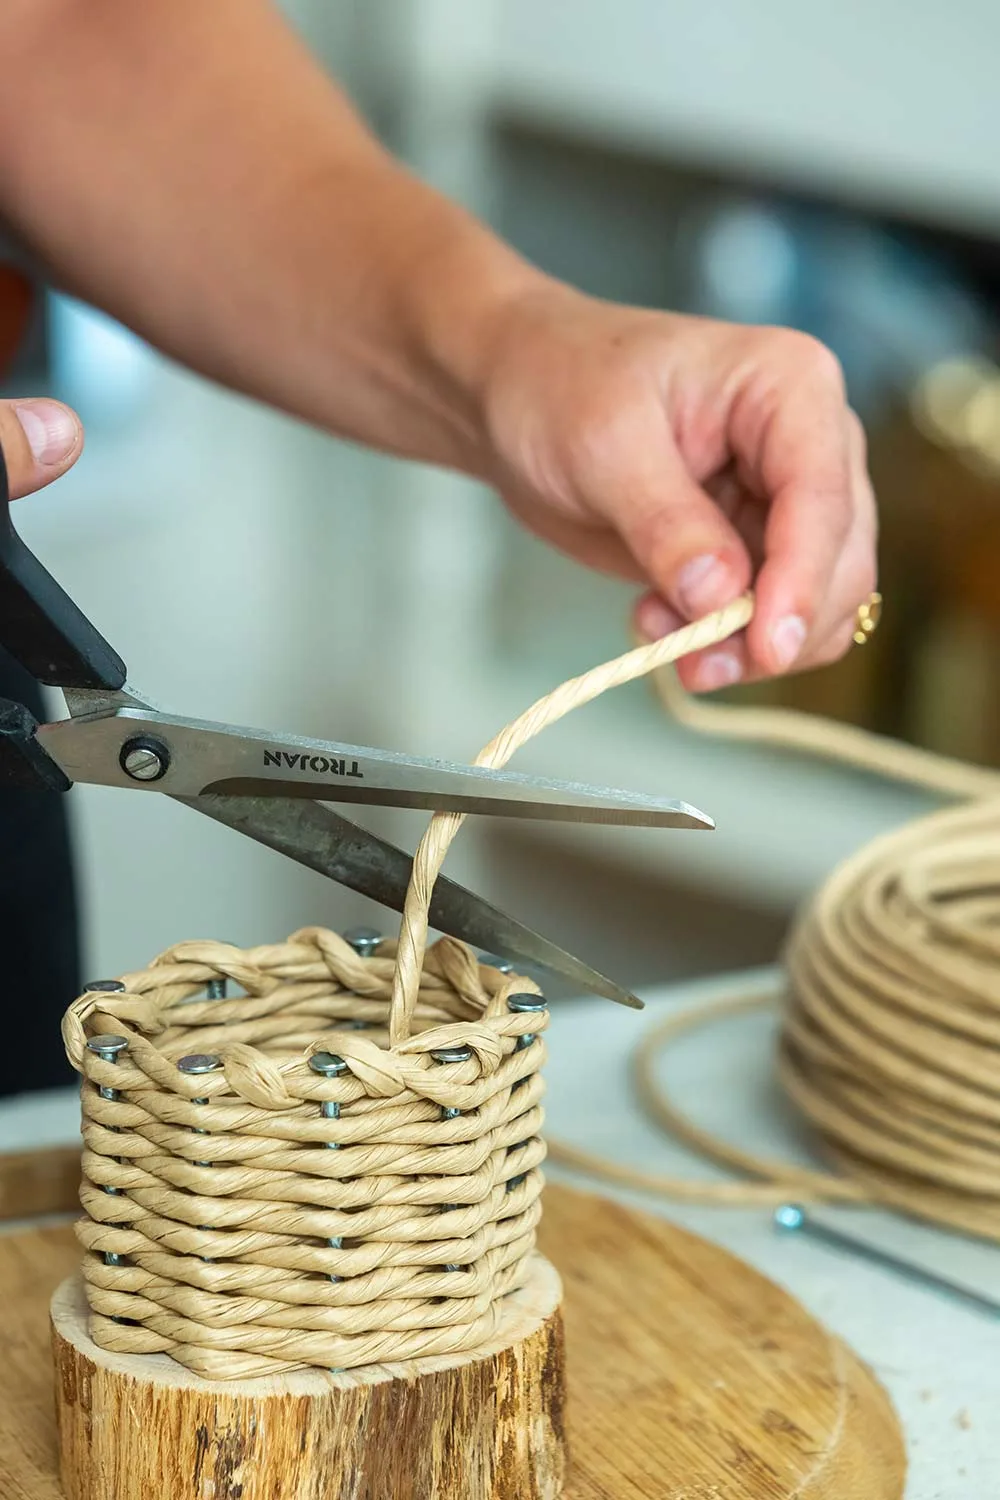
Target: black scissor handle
[
  {"x": 24, "y": 765},
  {"x": 40, "y": 625}
]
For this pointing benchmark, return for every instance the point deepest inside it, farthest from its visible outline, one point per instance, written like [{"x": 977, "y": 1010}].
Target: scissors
[{"x": 272, "y": 788}]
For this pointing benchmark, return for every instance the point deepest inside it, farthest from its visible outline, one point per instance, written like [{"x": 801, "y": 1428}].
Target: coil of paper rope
[
  {"x": 220, "y": 1226},
  {"x": 890, "y": 1042}
]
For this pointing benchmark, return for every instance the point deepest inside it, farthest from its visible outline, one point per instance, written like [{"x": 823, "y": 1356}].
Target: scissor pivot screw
[{"x": 144, "y": 759}]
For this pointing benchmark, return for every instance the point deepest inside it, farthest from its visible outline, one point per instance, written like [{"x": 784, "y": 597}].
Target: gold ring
[{"x": 867, "y": 618}]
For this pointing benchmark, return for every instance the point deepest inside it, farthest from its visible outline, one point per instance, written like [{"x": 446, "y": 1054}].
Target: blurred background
[{"x": 835, "y": 169}]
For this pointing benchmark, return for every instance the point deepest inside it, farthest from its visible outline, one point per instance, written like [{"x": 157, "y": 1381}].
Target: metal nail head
[
  {"x": 364, "y": 941},
  {"x": 494, "y": 961},
  {"x": 108, "y": 1048},
  {"x": 447, "y": 1055},
  {"x": 328, "y": 1065},
  {"x": 197, "y": 1063},
  {"x": 526, "y": 1005},
  {"x": 451, "y": 1054}
]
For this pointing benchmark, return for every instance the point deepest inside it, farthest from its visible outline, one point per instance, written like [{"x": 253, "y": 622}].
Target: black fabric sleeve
[{"x": 39, "y": 932}]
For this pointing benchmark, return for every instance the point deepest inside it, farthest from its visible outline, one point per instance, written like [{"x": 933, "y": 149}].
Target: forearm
[{"x": 187, "y": 167}]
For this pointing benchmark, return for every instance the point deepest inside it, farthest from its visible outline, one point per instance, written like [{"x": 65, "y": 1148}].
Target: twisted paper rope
[{"x": 548, "y": 710}]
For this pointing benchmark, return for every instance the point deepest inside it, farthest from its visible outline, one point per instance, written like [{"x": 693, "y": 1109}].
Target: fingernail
[
  {"x": 704, "y": 584},
  {"x": 655, "y": 619},
  {"x": 50, "y": 429},
  {"x": 718, "y": 670},
  {"x": 787, "y": 640}
]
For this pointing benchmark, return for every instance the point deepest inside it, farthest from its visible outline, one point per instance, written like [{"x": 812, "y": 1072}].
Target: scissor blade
[
  {"x": 323, "y": 841},
  {"x": 200, "y": 759},
  {"x": 506, "y": 794}
]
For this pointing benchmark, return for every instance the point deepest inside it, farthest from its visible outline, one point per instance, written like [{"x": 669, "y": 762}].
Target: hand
[
  {"x": 41, "y": 439},
  {"x": 694, "y": 456}
]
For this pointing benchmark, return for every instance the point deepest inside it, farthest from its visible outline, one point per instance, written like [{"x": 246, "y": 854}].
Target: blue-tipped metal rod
[{"x": 791, "y": 1218}]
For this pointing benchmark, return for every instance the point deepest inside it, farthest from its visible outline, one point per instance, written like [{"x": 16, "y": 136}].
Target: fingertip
[
  {"x": 53, "y": 431},
  {"x": 715, "y": 668},
  {"x": 653, "y": 618},
  {"x": 691, "y": 553},
  {"x": 785, "y": 641},
  {"x": 709, "y": 581},
  {"x": 706, "y": 671},
  {"x": 778, "y": 633},
  {"x": 40, "y": 439}
]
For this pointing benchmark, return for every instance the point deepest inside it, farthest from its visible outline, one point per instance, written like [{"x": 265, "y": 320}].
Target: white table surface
[{"x": 939, "y": 1360}]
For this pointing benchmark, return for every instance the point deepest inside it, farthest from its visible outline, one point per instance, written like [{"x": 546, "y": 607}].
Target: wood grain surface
[
  {"x": 482, "y": 1426},
  {"x": 33, "y": 1183},
  {"x": 690, "y": 1376}
]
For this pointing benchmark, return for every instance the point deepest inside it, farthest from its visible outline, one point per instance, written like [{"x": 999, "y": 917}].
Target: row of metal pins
[
  {"x": 532, "y": 1005},
  {"x": 329, "y": 1065},
  {"x": 517, "y": 1004},
  {"x": 520, "y": 1005},
  {"x": 446, "y": 1056},
  {"x": 108, "y": 1048},
  {"x": 195, "y": 1065},
  {"x": 365, "y": 942}
]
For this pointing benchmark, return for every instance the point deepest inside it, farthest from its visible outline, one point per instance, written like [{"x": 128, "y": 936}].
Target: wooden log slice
[
  {"x": 482, "y": 1426},
  {"x": 691, "y": 1377}
]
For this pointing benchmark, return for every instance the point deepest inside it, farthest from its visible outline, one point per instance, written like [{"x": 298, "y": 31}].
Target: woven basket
[
  {"x": 269, "y": 1185},
  {"x": 338, "y": 1167}
]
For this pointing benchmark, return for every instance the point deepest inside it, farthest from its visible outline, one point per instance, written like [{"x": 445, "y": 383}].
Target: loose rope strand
[
  {"x": 546, "y": 711},
  {"x": 824, "y": 739}
]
